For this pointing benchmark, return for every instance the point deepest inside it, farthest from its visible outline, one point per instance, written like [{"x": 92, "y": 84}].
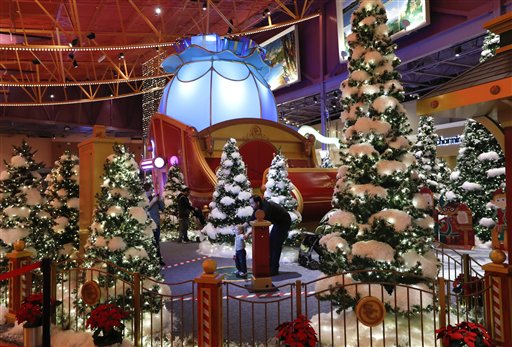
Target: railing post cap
[
  {"x": 19, "y": 245},
  {"x": 209, "y": 266}
]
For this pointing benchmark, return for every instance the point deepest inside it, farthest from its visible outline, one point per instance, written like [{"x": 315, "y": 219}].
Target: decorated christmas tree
[
  {"x": 62, "y": 203},
  {"x": 491, "y": 44},
  {"x": 479, "y": 172},
  {"x": 173, "y": 187},
  {"x": 326, "y": 162},
  {"x": 433, "y": 172},
  {"x": 21, "y": 215},
  {"x": 122, "y": 231},
  {"x": 379, "y": 226},
  {"x": 230, "y": 205},
  {"x": 279, "y": 190}
]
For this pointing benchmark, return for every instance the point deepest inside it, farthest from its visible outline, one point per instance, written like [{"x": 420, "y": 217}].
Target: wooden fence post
[
  {"x": 209, "y": 306},
  {"x": 18, "y": 286},
  {"x": 136, "y": 309}
]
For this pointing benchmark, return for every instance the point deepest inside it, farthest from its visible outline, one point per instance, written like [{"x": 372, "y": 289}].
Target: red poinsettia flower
[
  {"x": 298, "y": 333},
  {"x": 106, "y": 317},
  {"x": 472, "y": 334}
]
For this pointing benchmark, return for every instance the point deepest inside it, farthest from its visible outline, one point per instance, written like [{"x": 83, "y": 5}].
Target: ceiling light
[
  {"x": 52, "y": 96},
  {"x": 121, "y": 55},
  {"x": 111, "y": 95},
  {"x": 36, "y": 61},
  {"x": 458, "y": 51},
  {"x": 158, "y": 10},
  {"x": 205, "y": 6},
  {"x": 67, "y": 128},
  {"x": 75, "y": 64},
  {"x": 266, "y": 13},
  {"x": 315, "y": 100},
  {"x": 91, "y": 36}
]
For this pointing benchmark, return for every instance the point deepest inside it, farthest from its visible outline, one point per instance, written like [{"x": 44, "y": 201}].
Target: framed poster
[{"x": 282, "y": 50}]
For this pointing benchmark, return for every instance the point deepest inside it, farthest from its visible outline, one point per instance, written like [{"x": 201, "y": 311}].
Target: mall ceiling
[{"x": 60, "y": 53}]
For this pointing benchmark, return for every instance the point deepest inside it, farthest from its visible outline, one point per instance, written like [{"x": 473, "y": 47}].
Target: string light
[
  {"x": 154, "y": 86},
  {"x": 80, "y": 83},
  {"x": 62, "y": 48}
]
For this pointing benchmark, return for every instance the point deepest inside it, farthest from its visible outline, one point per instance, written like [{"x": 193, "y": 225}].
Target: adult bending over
[{"x": 280, "y": 218}]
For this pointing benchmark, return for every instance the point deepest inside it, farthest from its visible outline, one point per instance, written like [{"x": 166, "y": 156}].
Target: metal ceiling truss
[{"x": 76, "y": 60}]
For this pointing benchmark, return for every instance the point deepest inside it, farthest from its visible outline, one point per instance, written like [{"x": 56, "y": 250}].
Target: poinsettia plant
[
  {"x": 298, "y": 333},
  {"x": 464, "y": 334},
  {"x": 106, "y": 322},
  {"x": 31, "y": 310}
]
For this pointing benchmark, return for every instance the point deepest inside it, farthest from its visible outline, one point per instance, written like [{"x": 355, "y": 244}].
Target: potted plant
[
  {"x": 31, "y": 312},
  {"x": 106, "y": 322},
  {"x": 464, "y": 334},
  {"x": 298, "y": 333}
]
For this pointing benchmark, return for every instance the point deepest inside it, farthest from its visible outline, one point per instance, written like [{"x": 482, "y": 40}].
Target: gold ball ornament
[
  {"x": 209, "y": 266},
  {"x": 19, "y": 245},
  {"x": 497, "y": 256}
]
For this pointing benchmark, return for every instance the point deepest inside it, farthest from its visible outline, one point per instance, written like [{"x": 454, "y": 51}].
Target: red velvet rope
[{"x": 20, "y": 271}]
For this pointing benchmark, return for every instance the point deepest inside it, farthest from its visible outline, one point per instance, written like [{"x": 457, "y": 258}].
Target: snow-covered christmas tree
[
  {"x": 327, "y": 162},
  {"x": 479, "y": 172},
  {"x": 122, "y": 231},
  {"x": 21, "y": 215},
  {"x": 433, "y": 172},
  {"x": 62, "y": 203},
  {"x": 490, "y": 45},
  {"x": 169, "y": 227},
  {"x": 279, "y": 190},
  {"x": 230, "y": 204},
  {"x": 379, "y": 225}
]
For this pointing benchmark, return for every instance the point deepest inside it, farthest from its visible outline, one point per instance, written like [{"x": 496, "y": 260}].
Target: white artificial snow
[
  {"x": 389, "y": 167},
  {"x": 419, "y": 201},
  {"x": 223, "y": 156},
  {"x": 114, "y": 211},
  {"x": 342, "y": 171},
  {"x": 370, "y": 20},
  {"x": 227, "y": 163},
  {"x": 334, "y": 242},
  {"x": 471, "y": 186},
  {"x": 382, "y": 30},
  {"x": 62, "y": 192},
  {"x": 370, "y": 89},
  {"x": 370, "y": 189},
  {"x": 240, "y": 178},
  {"x": 342, "y": 218},
  {"x": 270, "y": 183},
  {"x": 12, "y": 234},
  {"x": 5, "y": 175},
  {"x": 400, "y": 142},
  {"x": 486, "y": 222},
  {"x": 362, "y": 149},
  {"x": 392, "y": 84},
  {"x": 426, "y": 222},
  {"x": 116, "y": 244},
  {"x": 33, "y": 196},
  {"x": 136, "y": 252},
  {"x": 138, "y": 213},
  {"x": 400, "y": 220},
  {"x": 227, "y": 201},
  {"x": 366, "y": 125},
  {"x": 386, "y": 67},
  {"x": 100, "y": 242},
  {"x": 245, "y": 195},
  {"x": 383, "y": 102},
  {"x": 408, "y": 159},
  {"x": 323, "y": 284},
  {"x": 480, "y": 244},
  {"x": 18, "y": 161},
  {"x": 496, "y": 172},
  {"x": 372, "y": 57},
  {"x": 148, "y": 230},
  {"x": 490, "y": 156},
  {"x": 372, "y": 249},
  {"x": 73, "y": 203},
  {"x": 3, "y": 312},
  {"x": 60, "y": 224},
  {"x": 42, "y": 214},
  {"x": 22, "y": 212},
  {"x": 357, "y": 51},
  {"x": 97, "y": 227},
  {"x": 450, "y": 196},
  {"x": 217, "y": 214},
  {"x": 244, "y": 212},
  {"x": 121, "y": 192},
  {"x": 235, "y": 155},
  {"x": 428, "y": 262},
  {"x": 230, "y": 188},
  {"x": 360, "y": 75}
]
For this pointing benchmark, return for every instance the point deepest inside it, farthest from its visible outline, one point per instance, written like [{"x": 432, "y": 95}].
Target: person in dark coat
[
  {"x": 184, "y": 209},
  {"x": 155, "y": 206},
  {"x": 280, "y": 218}
]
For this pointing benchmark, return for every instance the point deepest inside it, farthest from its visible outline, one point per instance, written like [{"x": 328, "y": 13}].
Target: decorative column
[
  {"x": 261, "y": 281},
  {"x": 19, "y": 286},
  {"x": 498, "y": 274},
  {"x": 92, "y": 155},
  {"x": 209, "y": 306}
]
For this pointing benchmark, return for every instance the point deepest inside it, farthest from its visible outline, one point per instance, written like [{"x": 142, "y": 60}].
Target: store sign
[{"x": 447, "y": 141}]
